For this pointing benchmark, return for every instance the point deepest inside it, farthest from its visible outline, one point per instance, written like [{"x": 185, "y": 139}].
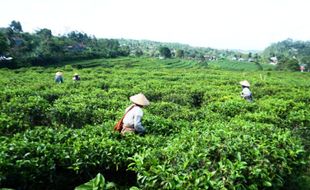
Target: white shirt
[
  {"x": 246, "y": 92},
  {"x": 133, "y": 118}
]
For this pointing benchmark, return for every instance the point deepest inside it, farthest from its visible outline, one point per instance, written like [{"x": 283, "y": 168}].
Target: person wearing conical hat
[
  {"x": 76, "y": 77},
  {"x": 59, "y": 77},
  {"x": 246, "y": 93},
  {"x": 134, "y": 114}
]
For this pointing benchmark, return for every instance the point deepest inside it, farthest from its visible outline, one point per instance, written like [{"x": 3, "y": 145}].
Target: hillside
[
  {"x": 41, "y": 48},
  {"x": 290, "y": 54}
]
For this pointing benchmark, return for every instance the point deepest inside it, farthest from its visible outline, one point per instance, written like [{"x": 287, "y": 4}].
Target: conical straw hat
[
  {"x": 59, "y": 73},
  {"x": 139, "y": 99},
  {"x": 245, "y": 83}
]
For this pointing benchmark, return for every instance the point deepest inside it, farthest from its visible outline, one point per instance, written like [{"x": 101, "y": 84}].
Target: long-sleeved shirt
[
  {"x": 246, "y": 92},
  {"x": 133, "y": 118}
]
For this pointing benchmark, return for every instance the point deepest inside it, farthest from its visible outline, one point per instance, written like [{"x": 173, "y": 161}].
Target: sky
[{"x": 221, "y": 24}]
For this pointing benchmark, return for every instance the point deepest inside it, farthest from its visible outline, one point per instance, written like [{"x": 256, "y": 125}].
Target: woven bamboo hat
[
  {"x": 75, "y": 74},
  {"x": 139, "y": 99},
  {"x": 245, "y": 83}
]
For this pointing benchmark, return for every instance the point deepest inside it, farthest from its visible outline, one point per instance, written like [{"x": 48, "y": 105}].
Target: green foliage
[
  {"x": 289, "y": 64},
  {"x": 45, "y": 33},
  {"x": 98, "y": 183},
  {"x": 4, "y": 46},
  {"x": 165, "y": 52},
  {"x": 24, "y": 112},
  {"x": 68, "y": 68},
  {"x": 44, "y": 49},
  {"x": 200, "y": 133},
  {"x": 305, "y": 61},
  {"x": 138, "y": 52},
  {"x": 178, "y": 50},
  {"x": 16, "y": 26},
  {"x": 179, "y": 53},
  {"x": 239, "y": 66},
  {"x": 224, "y": 157},
  {"x": 290, "y": 53}
]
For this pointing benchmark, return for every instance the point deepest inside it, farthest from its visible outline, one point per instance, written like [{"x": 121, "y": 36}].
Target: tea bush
[{"x": 200, "y": 133}]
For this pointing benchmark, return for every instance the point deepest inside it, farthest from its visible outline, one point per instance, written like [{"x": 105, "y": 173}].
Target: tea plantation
[{"x": 200, "y": 133}]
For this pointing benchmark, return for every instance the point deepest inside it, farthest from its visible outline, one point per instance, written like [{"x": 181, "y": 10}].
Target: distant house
[
  {"x": 241, "y": 59},
  {"x": 251, "y": 60},
  {"x": 273, "y": 60},
  {"x": 302, "y": 67},
  {"x": 209, "y": 57},
  {"x": 76, "y": 47}
]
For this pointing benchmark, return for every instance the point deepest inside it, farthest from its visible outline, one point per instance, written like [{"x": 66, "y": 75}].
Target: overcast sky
[{"x": 222, "y": 24}]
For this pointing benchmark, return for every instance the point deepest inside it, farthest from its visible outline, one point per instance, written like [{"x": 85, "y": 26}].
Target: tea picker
[
  {"x": 246, "y": 93},
  {"x": 131, "y": 121}
]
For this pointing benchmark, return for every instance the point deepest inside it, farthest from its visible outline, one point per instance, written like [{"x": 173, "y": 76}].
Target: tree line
[
  {"x": 43, "y": 48},
  {"x": 290, "y": 54}
]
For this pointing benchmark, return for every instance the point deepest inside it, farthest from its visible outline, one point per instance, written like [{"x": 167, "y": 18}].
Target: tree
[
  {"x": 286, "y": 63},
  {"x": 250, "y": 55},
  {"x": 138, "y": 53},
  {"x": 4, "y": 46},
  {"x": 305, "y": 61},
  {"x": 201, "y": 58},
  {"x": 16, "y": 26},
  {"x": 165, "y": 52},
  {"x": 179, "y": 53},
  {"x": 45, "y": 33},
  {"x": 124, "y": 50},
  {"x": 293, "y": 65},
  {"x": 79, "y": 37}
]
